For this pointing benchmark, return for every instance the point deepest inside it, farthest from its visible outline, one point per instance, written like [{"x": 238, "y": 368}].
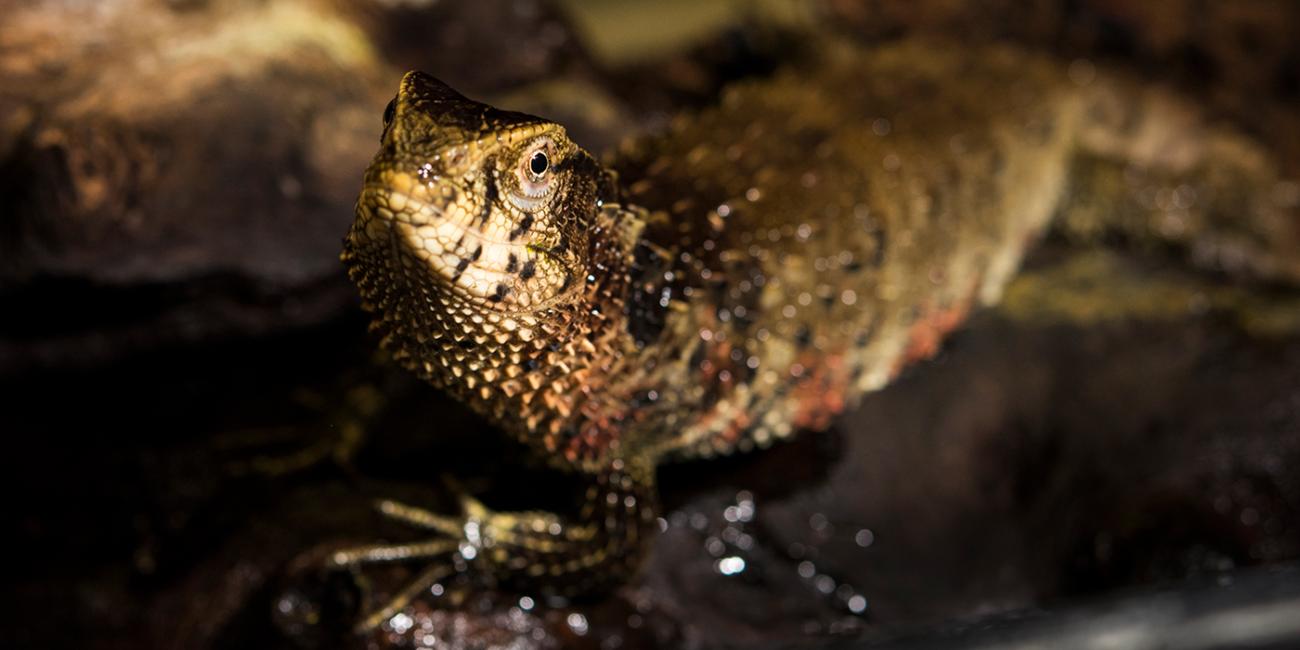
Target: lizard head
[{"x": 470, "y": 208}]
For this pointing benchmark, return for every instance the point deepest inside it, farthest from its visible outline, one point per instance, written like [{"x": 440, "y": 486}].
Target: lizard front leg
[{"x": 534, "y": 549}]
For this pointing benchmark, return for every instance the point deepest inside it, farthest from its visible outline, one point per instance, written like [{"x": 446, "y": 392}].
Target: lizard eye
[
  {"x": 389, "y": 112},
  {"x": 534, "y": 174}
]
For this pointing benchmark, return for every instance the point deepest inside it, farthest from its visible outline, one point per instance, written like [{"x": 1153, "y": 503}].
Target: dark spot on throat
[
  {"x": 491, "y": 193},
  {"x": 460, "y": 268},
  {"x": 524, "y": 225}
]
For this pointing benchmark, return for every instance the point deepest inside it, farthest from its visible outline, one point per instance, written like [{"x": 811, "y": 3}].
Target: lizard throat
[{"x": 485, "y": 255}]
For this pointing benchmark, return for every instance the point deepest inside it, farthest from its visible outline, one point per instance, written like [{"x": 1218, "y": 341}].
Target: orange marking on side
[
  {"x": 928, "y": 332},
  {"x": 819, "y": 397}
]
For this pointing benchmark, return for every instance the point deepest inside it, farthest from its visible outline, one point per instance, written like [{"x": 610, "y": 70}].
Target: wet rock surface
[
  {"x": 175, "y": 312},
  {"x": 1035, "y": 462}
]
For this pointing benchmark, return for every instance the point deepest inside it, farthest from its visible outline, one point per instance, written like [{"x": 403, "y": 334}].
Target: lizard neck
[{"x": 545, "y": 375}]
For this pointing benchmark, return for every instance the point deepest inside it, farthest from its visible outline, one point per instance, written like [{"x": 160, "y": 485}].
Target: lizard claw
[{"x": 441, "y": 552}]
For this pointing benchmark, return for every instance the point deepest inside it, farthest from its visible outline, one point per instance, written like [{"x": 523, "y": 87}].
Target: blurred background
[{"x": 192, "y": 409}]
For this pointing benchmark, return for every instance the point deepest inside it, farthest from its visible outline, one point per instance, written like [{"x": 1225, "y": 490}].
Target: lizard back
[{"x": 812, "y": 243}]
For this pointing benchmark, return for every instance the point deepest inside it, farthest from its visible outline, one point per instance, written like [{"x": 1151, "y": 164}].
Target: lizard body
[{"x": 747, "y": 274}]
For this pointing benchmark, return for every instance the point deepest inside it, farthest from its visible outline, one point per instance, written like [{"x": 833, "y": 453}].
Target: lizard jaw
[{"x": 448, "y": 247}]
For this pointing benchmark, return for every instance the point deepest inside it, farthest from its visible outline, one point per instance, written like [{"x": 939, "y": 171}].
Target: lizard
[{"x": 753, "y": 270}]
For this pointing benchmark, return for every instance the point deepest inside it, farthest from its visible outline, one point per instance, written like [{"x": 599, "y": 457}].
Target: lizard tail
[{"x": 1154, "y": 173}]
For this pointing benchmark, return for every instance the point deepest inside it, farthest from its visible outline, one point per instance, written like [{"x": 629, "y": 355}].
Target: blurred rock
[
  {"x": 476, "y": 47},
  {"x": 189, "y": 168},
  {"x": 1240, "y": 58}
]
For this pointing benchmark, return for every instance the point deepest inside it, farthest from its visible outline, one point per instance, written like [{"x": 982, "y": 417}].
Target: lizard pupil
[{"x": 539, "y": 163}]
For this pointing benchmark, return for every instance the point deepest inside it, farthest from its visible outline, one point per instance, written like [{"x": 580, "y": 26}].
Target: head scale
[{"x": 473, "y": 204}]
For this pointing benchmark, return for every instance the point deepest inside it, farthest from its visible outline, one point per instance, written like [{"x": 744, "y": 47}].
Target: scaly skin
[{"x": 748, "y": 274}]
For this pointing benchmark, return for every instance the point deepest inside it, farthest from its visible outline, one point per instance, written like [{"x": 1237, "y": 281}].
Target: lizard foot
[
  {"x": 281, "y": 451},
  {"x": 458, "y": 545},
  {"x": 533, "y": 549}
]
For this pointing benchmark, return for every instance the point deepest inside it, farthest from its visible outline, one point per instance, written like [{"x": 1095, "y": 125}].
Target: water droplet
[
  {"x": 857, "y": 604},
  {"x": 526, "y": 603},
  {"x": 731, "y": 565},
  {"x": 864, "y": 537},
  {"x": 806, "y": 569},
  {"x": 578, "y": 623},
  {"x": 401, "y": 622},
  {"x": 699, "y": 521},
  {"x": 745, "y": 505},
  {"x": 714, "y": 546},
  {"x": 818, "y": 522}
]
